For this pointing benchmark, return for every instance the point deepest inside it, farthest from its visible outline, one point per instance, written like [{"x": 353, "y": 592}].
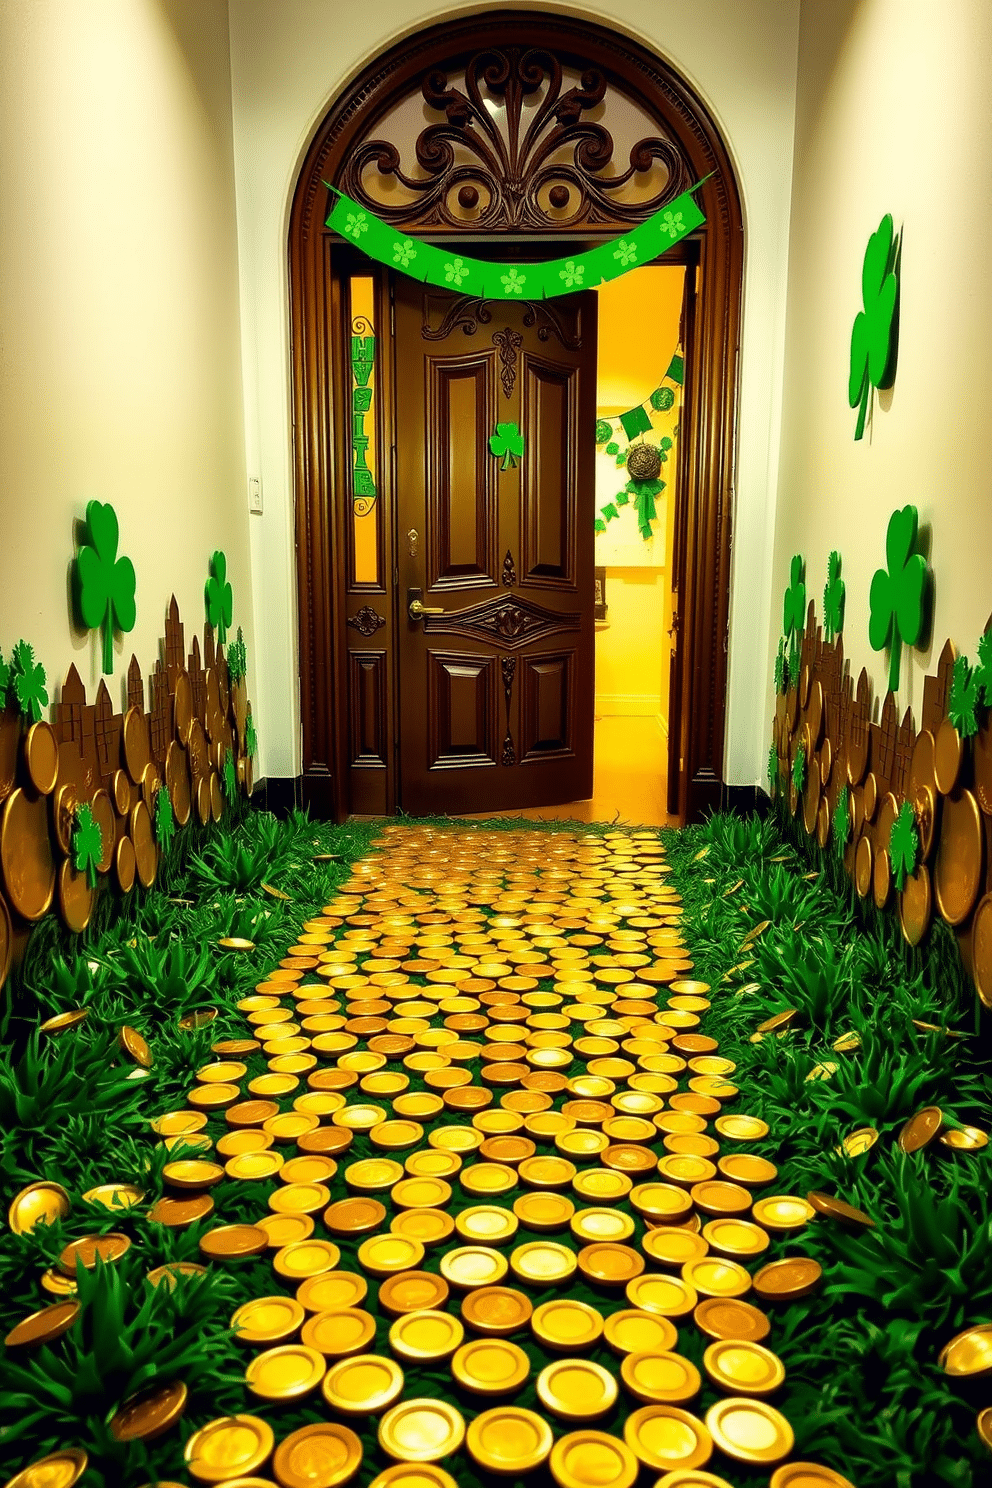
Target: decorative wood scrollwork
[
  {"x": 517, "y": 147},
  {"x": 551, "y": 319},
  {"x": 509, "y": 571},
  {"x": 505, "y": 621},
  {"x": 508, "y": 665},
  {"x": 508, "y": 342},
  {"x": 366, "y": 621}
]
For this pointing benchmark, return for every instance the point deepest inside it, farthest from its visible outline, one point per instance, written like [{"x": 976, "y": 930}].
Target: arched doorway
[{"x": 513, "y": 132}]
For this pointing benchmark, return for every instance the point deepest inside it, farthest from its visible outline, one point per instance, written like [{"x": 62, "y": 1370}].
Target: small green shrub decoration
[
  {"x": 165, "y": 821},
  {"x": 781, "y": 669},
  {"x": 965, "y": 696},
  {"x": 904, "y": 845},
  {"x": 230, "y": 780},
  {"x": 237, "y": 659},
  {"x": 799, "y": 769},
  {"x": 833, "y": 599},
  {"x": 842, "y": 821},
  {"x": 87, "y": 844},
  {"x": 251, "y": 738},
  {"x": 26, "y": 682},
  {"x": 983, "y": 667}
]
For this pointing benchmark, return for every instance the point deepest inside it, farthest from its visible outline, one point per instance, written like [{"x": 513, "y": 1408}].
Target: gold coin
[
  {"x": 63, "y": 1021},
  {"x": 546, "y": 1172},
  {"x": 302, "y": 1258},
  {"x": 834, "y": 1208},
  {"x": 58, "y": 1470},
  {"x": 108, "y": 1248},
  {"x": 414, "y": 1475},
  {"x": 396, "y": 1134},
  {"x": 787, "y": 1279},
  {"x": 44, "y": 1326},
  {"x": 543, "y": 1262},
  {"x": 746, "y": 1168},
  {"x": 150, "y": 1413},
  {"x": 713, "y": 1277},
  {"x": 332, "y": 1291},
  {"x": 286, "y": 1373},
  {"x": 490, "y": 1366},
  {"x": 665, "y": 1437},
  {"x": 57, "y": 1284},
  {"x": 576, "y": 1389},
  {"x": 608, "y": 1265},
  {"x": 470, "y": 1266},
  {"x": 337, "y": 1334},
  {"x": 253, "y": 1167},
  {"x": 782, "y": 1213},
  {"x": 671, "y": 1246},
  {"x": 228, "y": 1446},
  {"x": 588, "y": 1459},
  {"x": 567, "y": 1325},
  {"x": 135, "y": 1046},
  {"x": 177, "y": 1123},
  {"x": 192, "y": 1173},
  {"x": 120, "y": 1195},
  {"x": 172, "y": 1269},
  {"x": 509, "y": 1440},
  {"x": 921, "y": 1129},
  {"x": 668, "y": 1295},
  {"x": 354, "y": 1216},
  {"x": 39, "y": 1203},
  {"x": 964, "y": 1139},
  {"x": 856, "y": 1143},
  {"x": 742, "y": 1367},
  {"x": 425, "y": 1335},
  {"x": 299, "y": 1198},
  {"x": 488, "y": 1178},
  {"x": 285, "y": 1229},
  {"x": 421, "y": 1431},
  {"x": 373, "y": 1174},
  {"x": 326, "y": 1454},
  {"x": 421, "y": 1193},
  {"x": 968, "y": 1353},
  {"x": 310, "y": 1168},
  {"x": 431, "y": 1162},
  {"x": 632, "y": 1331},
  {"x": 660, "y": 1202},
  {"x": 543, "y": 1210},
  {"x": 601, "y": 1224},
  {"x": 720, "y": 1317},
  {"x": 486, "y": 1224},
  {"x": 807, "y": 1475},
  {"x": 385, "y": 1255},
  {"x": 659, "y": 1375},
  {"x": 267, "y": 1320},
  {"x": 739, "y": 1128},
  {"x": 496, "y": 1310},
  {"x": 459, "y": 1139},
  {"x": 735, "y": 1237},
  {"x": 750, "y": 1430},
  {"x": 412, "y": 1291}
]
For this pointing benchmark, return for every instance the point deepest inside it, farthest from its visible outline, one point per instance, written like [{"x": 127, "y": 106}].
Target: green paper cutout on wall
[
  {"x": 87, "y": 844},
  {"x": 106, "y": 583},
  {"x": 773, "y": 772},
  {"x": 635, "y": 421},
  {"x": 794, "y": 607},
  {"x": 904, "y": 844},
  {"x": 799, "y": 769},
  {"x": 251, "y": 738},
  {"x": 603, "y": 430},
  {"x": 612, "y": 448},
  {"x": 165, "y": 821},
  {"x": 962, "y": 705},
  {"x": 599, "y": 525},
  {"x": 644, "y": 493},
  {"x": 609, "y": 511},
  {"x": 507, "y": 442},
  {"x": 983, "y": 667},
  {"x": 833, "y": 599},
  {"x": 842, "y": 821},
  {"x": 4, "y": 681},
  {"x": 219, "y": 596},
  {"x": 873, "y": 338},
  {"x": 27, "y": 682},
  {"x": 230, "y": 779},
  {"x": 662, "y": 399},
  {"x": 237, "y": 658},
  {"x": 363, "y": 492},
  {"x": 895, "y": 599},
  {"x": 781, "y": 668},
  {"x": 499, "y": 281}
]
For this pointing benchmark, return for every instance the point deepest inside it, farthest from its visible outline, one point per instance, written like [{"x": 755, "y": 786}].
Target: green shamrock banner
[
  {"x": 639, "y": 420},
  {"x": 363, "y": 484},
  {"x": 500, "y": 281}
]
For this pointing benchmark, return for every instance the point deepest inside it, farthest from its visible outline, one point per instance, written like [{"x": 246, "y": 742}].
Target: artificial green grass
[{"x": 863, "y": 1389}]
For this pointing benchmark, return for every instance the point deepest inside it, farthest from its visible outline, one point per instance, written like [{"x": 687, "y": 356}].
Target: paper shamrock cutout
[
  {"x": 781, "y": 669},
  {"x": 165, "y": 822},
  {"x": 230, "y": 779},
  {"x": 106, "y": 582},
  {"x": 872, "y": 338},
  {"x": 251, "y": 738},
  {"x": 772, "y": 770},
  {"x": 842, "y": 821},
  {"x": 799, "y": 770},
  {"x": 794, "y": 608},
  {"x": 508, "y": 442},
  {"x": 27, "y": 682},
  {"x": 87, "y": 844},
  {"x": 635, "y": 421},
  {"x": 965, "y": 696},
  {"x": 895, "y": 599},
  {"x": 983, "y": 667},
  {"x": 904, "y": 845},
  {"x": 833, "y": 598},
  {"x": 219, "y": 596},
  {"x": 237, "y": 658}
]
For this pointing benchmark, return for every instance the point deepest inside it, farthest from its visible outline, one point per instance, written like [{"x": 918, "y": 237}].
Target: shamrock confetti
[
  {"x": 106, "y": 583},
  {"x": 964, "y": 699},
  {"x": 508, "y": 442},
  {"x": 904, "y": 843},
  {"x": 219, "y": 596},
  {"x": 27, "y": 682},
  {"x": 87, "y": 844},
  {"x": 896, "y": 596},
  {"x": 165, "y": 822},
  {"x": 833, "y": 598},
  {"x": 873, "y": 338},
  {"x": 842, "y": 821}
]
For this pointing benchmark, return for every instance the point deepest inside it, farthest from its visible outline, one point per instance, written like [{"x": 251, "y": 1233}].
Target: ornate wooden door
[{"x": 496, "y": 672}]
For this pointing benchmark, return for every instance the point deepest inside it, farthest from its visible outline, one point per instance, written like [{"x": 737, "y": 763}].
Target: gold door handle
[{"x": 416, "y": 609}]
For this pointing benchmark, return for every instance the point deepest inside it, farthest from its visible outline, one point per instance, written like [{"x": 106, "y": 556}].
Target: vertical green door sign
[{"x": 362, "y": 361}]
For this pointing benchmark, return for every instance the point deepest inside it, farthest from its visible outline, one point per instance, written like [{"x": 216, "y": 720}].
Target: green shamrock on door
[
  {"x": 508, "y": 443},
  {"x": 873, "y": 338}
]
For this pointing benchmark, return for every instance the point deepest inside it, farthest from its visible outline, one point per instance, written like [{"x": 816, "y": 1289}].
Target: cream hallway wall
[
  {"x": 120, "y": 363},
  {"x": 289, "y": 59},
  {"x": 893, "y": 116}
]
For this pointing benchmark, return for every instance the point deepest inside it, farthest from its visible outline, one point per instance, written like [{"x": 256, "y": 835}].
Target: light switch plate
[{"x": 255, "y": 494}]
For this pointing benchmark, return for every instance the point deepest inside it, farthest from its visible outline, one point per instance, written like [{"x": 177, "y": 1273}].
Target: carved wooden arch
[{"x": 512, "y": 47}]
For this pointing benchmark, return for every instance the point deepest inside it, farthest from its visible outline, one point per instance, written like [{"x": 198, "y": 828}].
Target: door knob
[{"x": 416, "y": 609}]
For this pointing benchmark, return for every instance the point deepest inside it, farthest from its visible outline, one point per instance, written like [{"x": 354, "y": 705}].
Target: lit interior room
[{"x": 495, "y": 744}]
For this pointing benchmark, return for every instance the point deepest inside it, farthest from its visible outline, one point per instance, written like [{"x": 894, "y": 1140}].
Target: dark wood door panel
[
  {"x": 548, "y": 722},
  {"x": 462, "y": 700},
  {"x": 550, "y": 476},
  {"x": 461, "y": 489}
]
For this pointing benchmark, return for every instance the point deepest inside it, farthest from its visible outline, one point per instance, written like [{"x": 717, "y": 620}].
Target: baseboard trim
[{"x": 628, "y": 705}]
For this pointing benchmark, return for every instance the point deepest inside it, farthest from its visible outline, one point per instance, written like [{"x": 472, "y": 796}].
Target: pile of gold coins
[{"x": 488, "y": 1086}]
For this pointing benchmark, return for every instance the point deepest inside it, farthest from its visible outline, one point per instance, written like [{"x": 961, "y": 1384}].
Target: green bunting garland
[{"x": 500, "y": 281}]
